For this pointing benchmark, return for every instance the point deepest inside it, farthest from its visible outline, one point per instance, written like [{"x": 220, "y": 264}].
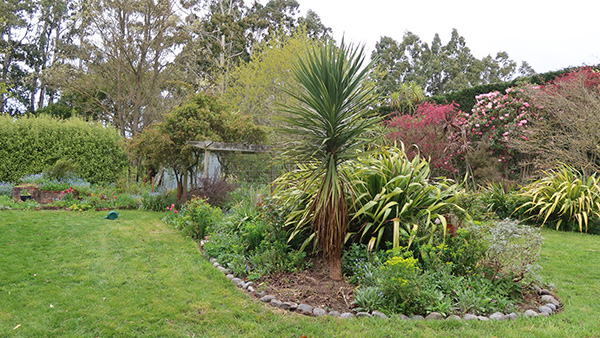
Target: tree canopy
[{"x": 436, "y": 67}]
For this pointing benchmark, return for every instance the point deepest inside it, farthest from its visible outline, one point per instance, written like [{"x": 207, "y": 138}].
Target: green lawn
[{"x": 70, "y": 274}]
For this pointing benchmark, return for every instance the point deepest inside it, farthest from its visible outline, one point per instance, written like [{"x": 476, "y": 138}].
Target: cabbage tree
[{"x": 330, "y": 115}]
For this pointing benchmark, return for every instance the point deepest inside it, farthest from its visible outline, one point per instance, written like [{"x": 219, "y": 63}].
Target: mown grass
[{"x": 70, "y": 274}]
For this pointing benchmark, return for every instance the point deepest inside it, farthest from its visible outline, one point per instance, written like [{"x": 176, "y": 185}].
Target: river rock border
[{"x": 551, "y": 304}]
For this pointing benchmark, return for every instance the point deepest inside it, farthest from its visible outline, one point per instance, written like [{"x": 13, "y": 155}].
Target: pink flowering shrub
[
  {"x": 430, "y": 132},
  {"x": 498, "y": 118}
]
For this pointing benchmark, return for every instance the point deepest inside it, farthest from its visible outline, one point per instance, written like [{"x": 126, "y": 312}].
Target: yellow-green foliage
[
  {"x": 30, "y": 145},
  {"x": 564, "y": 195},
  {"x": 256, "y": 87}
]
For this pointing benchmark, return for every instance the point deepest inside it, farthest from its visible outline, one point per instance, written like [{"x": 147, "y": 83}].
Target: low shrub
[
  {"x": 194, "y": 217},
  {"x": 251, "y": 241},
  {"x": 215, "y": 191},
  {"x": 159, "y": 200}
]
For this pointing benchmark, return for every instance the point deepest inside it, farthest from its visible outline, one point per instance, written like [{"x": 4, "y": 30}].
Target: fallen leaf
[
  {"x": 51, "y": 305},
  {"x": 16, "y": 327}
]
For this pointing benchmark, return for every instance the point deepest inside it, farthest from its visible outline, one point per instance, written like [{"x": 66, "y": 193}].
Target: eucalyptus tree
[
  {"x": 439, "y": 68},
  {"x": 331, "y": 114}
]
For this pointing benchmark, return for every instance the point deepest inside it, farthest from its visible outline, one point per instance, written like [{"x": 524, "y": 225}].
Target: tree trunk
[{"x": 335, "y": 267}]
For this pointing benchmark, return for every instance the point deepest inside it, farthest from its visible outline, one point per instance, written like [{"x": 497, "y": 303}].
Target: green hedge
[
  {"x": 29, "y": 145},
  {"x": 466, "y": 98}
]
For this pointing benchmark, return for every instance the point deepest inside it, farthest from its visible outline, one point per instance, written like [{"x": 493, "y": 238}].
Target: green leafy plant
[
  {"x": 565, "y": 196},
  {"x": 368, "y": 298},
  {"x": 397, "y": 196}
]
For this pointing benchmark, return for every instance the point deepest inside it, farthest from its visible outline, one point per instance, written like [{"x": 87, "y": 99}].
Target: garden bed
[{"x": 311, "y": 286}]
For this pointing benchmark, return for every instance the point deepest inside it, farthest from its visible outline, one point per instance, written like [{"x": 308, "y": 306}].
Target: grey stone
[
  {"x": 530, "y": 313},
  {"x": 512, "y": 316},
  {"x": 291, "y": 305},
  {"x": 261, "y": 294},
  {"x": 347, "y": 315},
  {"x": 469, "y": 316},
  {"x": 230, "y": 276},
  {"x": 267, "y": 298},
  {"x": 417, "y": 317},
  {"x": 249, "y": 284},
  {"x": 545, "y": 314},
  {"x": 545, "y": 309},
  {"x": 379, "y": 314},
  {"x": 401, "y": 316},
  {"x": 250, "y": 289},
  {"x": 222, "y": 269},
  {"x": 552, "y": 306},
  {"x": 537, "y": 289},
  {"x": 276, "y": 302},
  {"x": 334, "y": 313},
  {"x": 284, "y": 306},
  {"x": 498, "y": 316},
  {"x": 363, "y": 314},
  {"x": 305, "y": 308},
  {"x": 453, "y": 317},
  {"x": 319, "y": 312},
  {"x": 216, "y": 264},
  {"x": 483, "y": 318},
  {"x": 237, "y": 281},
  {"x": 550, "y": 299},
  {"x": 213, "y": 260},
  {"x": 434, "y": 316},
  {"x": 545, "y": 292}
]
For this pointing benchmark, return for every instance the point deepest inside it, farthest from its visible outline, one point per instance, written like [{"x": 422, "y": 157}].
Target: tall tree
[
  {"x": 439, "y": 68},
  {"x": 255, "y": 87},
  {"x": 119, "y": 59},
  {"x": 15, "y": 28},
  {"x": 331, "y": 114},
  {"x": 224, "y": 33}
]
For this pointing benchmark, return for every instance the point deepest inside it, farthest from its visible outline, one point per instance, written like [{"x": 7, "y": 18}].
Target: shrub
[
  {"x": 34, "y": 144},
  {"x": 568, "y": 123},
  {"x": 513, "y": 250},
  {"x": 200, "y": 217},
  {"x": 430, "y": 132},
  {"x": 498, "y": 118},
  {"x": 565, "y": 196},
  {"x": 215, "y": 191}
]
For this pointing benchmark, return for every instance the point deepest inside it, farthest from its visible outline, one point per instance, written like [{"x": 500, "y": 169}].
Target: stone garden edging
[{"x": 551, "y": 304}]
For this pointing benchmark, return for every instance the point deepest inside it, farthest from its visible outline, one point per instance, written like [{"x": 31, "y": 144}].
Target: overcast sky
[{"x": 549, "y": 35}]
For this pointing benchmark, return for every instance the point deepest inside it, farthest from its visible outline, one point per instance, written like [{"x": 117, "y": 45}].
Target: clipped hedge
[{"x": 29, "y": 145}]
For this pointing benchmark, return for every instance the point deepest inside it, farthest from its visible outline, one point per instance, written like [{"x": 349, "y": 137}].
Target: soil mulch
[{"x": 311, "y": 286}]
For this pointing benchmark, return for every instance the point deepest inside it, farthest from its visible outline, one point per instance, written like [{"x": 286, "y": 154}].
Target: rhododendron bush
[{"x": 497, "y": 118}]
